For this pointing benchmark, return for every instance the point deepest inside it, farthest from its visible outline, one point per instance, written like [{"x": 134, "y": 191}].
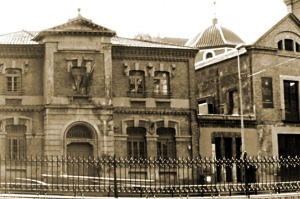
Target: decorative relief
[
  {"x": 2, "y": 68},
  {"x": 81, "y": 70},
  {"x": 24, "y": 66},
  {"x": 126, "y": 69},
  {"x": 152, "y": 127},
  {"x": 150, "y": 69},
  {"x": 172, "y": 70}
]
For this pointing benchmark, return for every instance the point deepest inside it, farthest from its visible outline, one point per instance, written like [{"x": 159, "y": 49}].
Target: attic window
[
  {"x": 297, "y": 47},
  {"x": 209, "y": 55},
  {"x": 288, "y": 45},
  {"x": 279, "y": 44}
]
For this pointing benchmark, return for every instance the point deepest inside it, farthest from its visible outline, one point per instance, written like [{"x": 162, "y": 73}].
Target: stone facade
[{"x": 67, "y": 91}]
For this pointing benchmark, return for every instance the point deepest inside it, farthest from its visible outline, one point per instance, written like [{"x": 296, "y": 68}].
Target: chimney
[{"x": 293, "y": 6}]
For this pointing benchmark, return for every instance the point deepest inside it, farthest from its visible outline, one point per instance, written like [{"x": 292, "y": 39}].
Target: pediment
[{"x": 78, "y": 25}]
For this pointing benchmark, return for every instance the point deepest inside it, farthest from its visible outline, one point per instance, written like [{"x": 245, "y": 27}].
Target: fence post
[
  {"x": 244, "y": 158},
  {"x": 115, "y": 177}
]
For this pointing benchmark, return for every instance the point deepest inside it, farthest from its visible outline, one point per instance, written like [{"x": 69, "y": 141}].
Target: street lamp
[{"x": 238, "y": 47}]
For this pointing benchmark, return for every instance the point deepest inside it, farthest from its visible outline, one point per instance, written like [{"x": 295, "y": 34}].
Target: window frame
[
  {"x": 282, "y": 97},
  {"x": 136, "y": 142},
  {"x": 166, "y": 144},
  {"x": 160, "y": 88},
  {"x": 15, "y": 141},
  {"x": 138, "y": 89},
  {"x": 13, "y": 81},
  {"x": 288, "y": 45}
]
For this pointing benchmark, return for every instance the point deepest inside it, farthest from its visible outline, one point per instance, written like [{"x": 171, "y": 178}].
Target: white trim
[
  {"x": 290, "y": 78},
  {"x": 219, "y": 58}
]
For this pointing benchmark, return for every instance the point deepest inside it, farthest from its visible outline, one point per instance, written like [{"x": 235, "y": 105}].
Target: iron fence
[{"x": 112, "y": 176}]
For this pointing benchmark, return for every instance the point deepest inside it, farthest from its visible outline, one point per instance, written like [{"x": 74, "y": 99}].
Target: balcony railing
[{"x": 151, "y": 177}]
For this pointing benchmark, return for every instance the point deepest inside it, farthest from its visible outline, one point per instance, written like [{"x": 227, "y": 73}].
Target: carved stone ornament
[
  {"x": 126, "y": 69},
  {"x": 151, "y": 127},
  {"x": 25, "y": 67},
  {"x": 150, "y": 69},
  {"x": 172, "y": 70},
  {"x": 81, "y": 74},
  {"x": 2, "y": 68}
]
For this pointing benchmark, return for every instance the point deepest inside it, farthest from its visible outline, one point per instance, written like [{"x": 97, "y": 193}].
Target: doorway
[{"x": 82, "y": 151}]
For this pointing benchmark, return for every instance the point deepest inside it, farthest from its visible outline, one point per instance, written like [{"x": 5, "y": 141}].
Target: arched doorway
[{"x": 80, "y": 142}]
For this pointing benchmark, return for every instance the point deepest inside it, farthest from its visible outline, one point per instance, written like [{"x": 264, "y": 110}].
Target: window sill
[
  {"x": 74, "y": 97},
  {"x": 138, "y": 100},
  {"x": 13, "y": 97},
  {"x": 137, "y": 95}
]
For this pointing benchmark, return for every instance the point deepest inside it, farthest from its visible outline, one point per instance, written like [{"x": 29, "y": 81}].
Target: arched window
[
  {"x": 136, "y": 144},
  {"x": 279, "y": 45},
  {"x": 15, "y": 141},
  {"x": 289, "y": 45},
  {"x": 166, "y": 143},
  {"x": 209, "y": 55},
  {"x": 79, "y": 132}
]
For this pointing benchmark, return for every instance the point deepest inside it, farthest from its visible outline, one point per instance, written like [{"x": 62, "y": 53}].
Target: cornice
[
  {"x": 144, "y": 53},
  {"x": 214, "y": 123},
  {"x": 21, "y": 108},
  {"x": 21, "y": 51},
  {"x": 152, "y": 111}
]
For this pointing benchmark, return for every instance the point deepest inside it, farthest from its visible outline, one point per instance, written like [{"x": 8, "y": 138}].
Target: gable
[
  {"x": 78, "y": 25},
  {"x": 287, "y": 28}
]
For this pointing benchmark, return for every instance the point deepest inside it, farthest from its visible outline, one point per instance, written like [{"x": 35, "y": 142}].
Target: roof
[
  {"x": 19, "y": 38},
  {"x": 26, "y": 38},
  {"x": 215, "y": 36},
  {"x": 224, "y": 56},
  {"x": 289, "y": 15},
  {"x": 78, "y": 25},
  {"x": 119, "y": 41}
]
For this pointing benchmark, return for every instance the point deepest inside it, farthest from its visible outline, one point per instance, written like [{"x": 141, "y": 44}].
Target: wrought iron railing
[{"x": 112, "y": 176}]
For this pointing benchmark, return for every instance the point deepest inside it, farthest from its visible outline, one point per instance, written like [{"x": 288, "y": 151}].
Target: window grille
[
  {"x": 136, "y": 144},
  {"x": 79, "y": 131},
  {"x": 15, "y": 141}
]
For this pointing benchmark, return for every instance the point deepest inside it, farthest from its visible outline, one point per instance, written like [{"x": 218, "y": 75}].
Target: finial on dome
[
  {"x": 79, "y": 15},
  {"x": 215, "y": 20}
]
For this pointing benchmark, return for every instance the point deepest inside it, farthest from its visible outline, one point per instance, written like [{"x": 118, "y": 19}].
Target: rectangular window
[
  {"x": 267, "y": 92},
  {"x": 15, "y": 141},
  {"x": 161, "y": 84},
  {"x": 291, "y": 100},
  {"x": 289, "y": 145},
  {"x": 136, "y": 84},
  {"x": 166, "y": 143},
  {"x": 166, "y": 148},
  {"x": 13, "y": 81},
  {"x": 15, "y": 148},
  {"x": 233, "y": 103},
  {"x": 136, "y": 145},
  {"x": 136, "y": 149}
]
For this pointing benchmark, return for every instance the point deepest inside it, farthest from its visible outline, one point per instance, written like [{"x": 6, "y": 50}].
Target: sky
[{"x": 165, "y": 18}]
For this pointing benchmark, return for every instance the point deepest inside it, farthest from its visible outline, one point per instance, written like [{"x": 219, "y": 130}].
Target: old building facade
[
  {"x": 79, "y": 90},
  {"x": 249, "y": 98}
]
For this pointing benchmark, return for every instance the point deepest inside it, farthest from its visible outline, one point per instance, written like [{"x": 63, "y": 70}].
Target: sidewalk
[{"x": 274, "y": 196}]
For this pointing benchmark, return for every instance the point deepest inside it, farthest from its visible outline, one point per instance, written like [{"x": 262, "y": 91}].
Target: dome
[{"x": 215, "y": 36}]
